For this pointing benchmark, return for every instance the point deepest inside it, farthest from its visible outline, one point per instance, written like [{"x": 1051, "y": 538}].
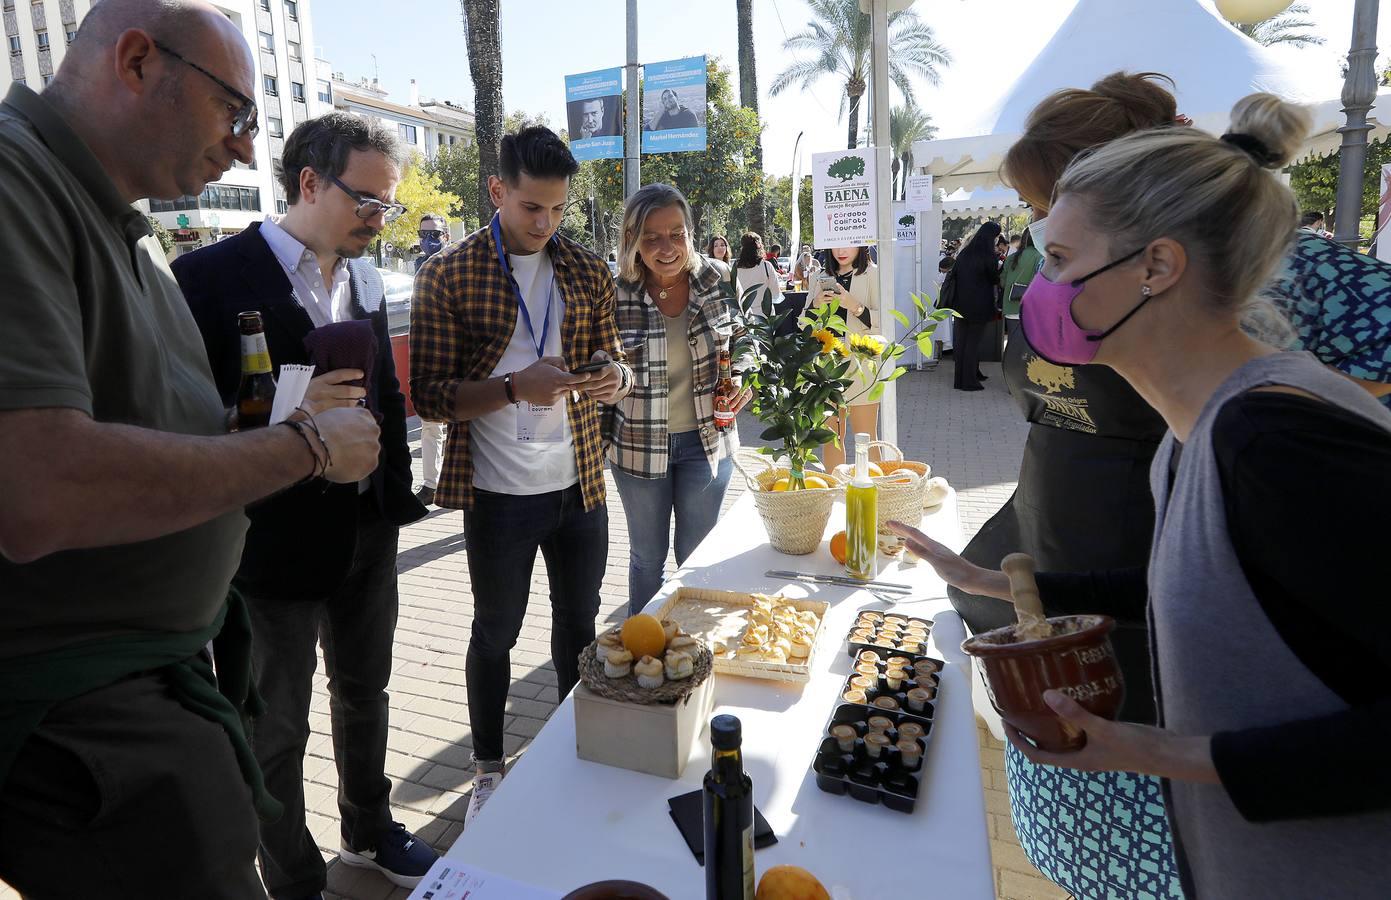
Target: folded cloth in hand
[{"x": 345, "y": 345}]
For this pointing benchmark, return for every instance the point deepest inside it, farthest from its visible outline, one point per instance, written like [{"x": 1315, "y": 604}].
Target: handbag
[{"x": 947, "y": 297}]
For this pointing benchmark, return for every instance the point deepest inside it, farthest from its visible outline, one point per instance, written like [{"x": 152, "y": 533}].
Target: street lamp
[
  {"x": 1249, "y": 12},
  {"x": 1359, "y": 93}
]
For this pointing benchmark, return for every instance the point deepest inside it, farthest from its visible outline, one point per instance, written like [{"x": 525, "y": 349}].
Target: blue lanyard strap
[{"x": 496, "y": 227}]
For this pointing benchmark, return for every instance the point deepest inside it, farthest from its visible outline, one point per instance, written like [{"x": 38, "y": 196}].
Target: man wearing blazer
[{"x": 320, "y": 560}]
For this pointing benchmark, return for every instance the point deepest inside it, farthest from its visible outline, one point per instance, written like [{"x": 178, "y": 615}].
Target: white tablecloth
[{"x": 559, "y": 822}]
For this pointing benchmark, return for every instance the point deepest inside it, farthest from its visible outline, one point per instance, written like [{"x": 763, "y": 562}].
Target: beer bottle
[
  {"x": 256, "y": 393},
  {"x": 726, "y": 394},
  {"x": 729, "y": 872}
]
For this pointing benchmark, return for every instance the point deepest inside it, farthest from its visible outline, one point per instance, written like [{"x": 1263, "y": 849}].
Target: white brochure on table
[{"x": 450, "y": 879}]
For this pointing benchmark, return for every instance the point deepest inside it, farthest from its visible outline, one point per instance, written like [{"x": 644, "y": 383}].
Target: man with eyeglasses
[
  {"x": 124, "y": 768},
  {"x": 320, "y": 565}
]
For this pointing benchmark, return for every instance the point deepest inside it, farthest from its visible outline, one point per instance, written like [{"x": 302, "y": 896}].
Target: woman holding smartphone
[
  {"x": 675, "y": 316},
  {"x": 851, "y": 280}
]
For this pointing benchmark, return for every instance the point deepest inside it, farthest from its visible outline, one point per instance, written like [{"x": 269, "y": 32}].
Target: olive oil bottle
[
  {"x": 729, "y": 820},
  {"x": 862, "y": 518}
]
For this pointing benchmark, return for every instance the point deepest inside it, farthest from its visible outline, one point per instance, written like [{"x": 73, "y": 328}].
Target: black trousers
[
  {"x": 967, "y": 337},
  {"x": 122, "y": 793},
  {"x": 503, "y": 532},
  {"x": 356, "y": 625}
]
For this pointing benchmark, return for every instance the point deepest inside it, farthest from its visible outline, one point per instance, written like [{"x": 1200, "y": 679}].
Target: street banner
[
  {"x": 907, "y": 228},
  {"x": 594, "y": 108},
  {"x": 843, "y": 198},
  {"x": 673, "y": 106},
  {"x": 919, "y": 192}
]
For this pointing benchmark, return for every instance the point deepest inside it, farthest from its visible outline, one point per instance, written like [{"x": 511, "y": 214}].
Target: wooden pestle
[{"x": 1028, "y": 607}]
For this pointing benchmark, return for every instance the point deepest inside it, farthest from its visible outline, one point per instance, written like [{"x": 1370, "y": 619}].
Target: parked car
[{"x": 398, "y": 289}]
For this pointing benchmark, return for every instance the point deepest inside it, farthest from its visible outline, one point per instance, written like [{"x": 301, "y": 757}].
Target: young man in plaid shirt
[{"x": 500, "y": 324}]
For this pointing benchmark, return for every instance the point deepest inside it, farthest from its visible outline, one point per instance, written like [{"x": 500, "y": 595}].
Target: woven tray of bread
[{"x": 754, "y": 635}]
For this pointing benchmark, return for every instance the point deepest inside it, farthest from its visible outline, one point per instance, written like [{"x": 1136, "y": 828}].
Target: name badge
[{"x": 540, "y": 424}]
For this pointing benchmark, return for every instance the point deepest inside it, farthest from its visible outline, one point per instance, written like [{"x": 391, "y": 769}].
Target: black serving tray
[
  {"x": 886, "y": 647},
  {"x": 885, "y": 780},
  {"x": 932, "y": 683}
]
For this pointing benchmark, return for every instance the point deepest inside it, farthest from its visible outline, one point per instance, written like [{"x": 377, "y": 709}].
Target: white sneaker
[{"x": 483, "y": 786}]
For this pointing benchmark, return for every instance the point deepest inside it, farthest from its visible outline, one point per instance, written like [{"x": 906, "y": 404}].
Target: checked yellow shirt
[{"x": 463, "y": 314}]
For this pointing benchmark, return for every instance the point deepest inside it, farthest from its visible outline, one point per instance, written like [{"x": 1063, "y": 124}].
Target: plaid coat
[
  {"x": 463, "y": 314},
  {"x": 637, "y": 431}
]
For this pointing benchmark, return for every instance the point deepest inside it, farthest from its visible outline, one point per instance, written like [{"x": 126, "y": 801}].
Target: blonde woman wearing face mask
[
  {"x": 852, "y": 280},
  {"x": 674, "y": 316},
  {"x": 1271, "y": 634}
]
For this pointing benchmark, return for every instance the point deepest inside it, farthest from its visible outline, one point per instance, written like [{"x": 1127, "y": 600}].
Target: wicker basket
[
  {"x": 627, "y": 688},
  {"x": 901, "y": 488},
  {"x": 795, "y": 520}
]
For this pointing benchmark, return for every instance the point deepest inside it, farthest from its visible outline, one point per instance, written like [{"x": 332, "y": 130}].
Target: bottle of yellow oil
[{"x": 861, "y": 517}]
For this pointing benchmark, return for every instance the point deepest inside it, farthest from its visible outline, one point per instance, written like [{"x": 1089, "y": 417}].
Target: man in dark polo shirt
[{"x": 124, "y": 771}]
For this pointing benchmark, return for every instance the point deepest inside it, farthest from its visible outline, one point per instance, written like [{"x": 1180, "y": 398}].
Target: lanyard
[{"x": 517, "y": 290}]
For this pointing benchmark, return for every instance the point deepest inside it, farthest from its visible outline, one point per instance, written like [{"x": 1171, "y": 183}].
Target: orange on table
[
  {"x": 839, "y": 542},
  {"x": 642, "y": 635},
  {"x": 790, "y": 883},
  {"x": 875, "y": 471}
]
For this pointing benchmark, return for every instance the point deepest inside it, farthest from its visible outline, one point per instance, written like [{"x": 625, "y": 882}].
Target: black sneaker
[
  {"x": 426, "y": 495},
  {"x": 399, "y": 855}
]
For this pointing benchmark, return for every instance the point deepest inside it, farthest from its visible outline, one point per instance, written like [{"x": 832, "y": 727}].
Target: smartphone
[
  {"x": 597, "y": 366},
  {"x": 825, "y": 283}
]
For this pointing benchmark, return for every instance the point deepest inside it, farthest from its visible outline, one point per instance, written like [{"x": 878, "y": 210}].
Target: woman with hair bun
[
  {"x": 1082, "y": 502},
  {"x": 1271, "y": 634}
]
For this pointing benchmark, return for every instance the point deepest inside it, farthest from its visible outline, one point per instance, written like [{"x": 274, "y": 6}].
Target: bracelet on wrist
[
  {"x": 300, "y": 429},
  {"x": 327, "y": 461},
  {"x": 507, "y": 386}
]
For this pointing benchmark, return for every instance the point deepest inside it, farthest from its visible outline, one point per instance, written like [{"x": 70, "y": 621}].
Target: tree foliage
[
  {"x": 837, "y": 43},
  {"x": 1315, "y": 183},
  {"x": 457, "y": 170},
  {"x": 166, "y": 240},
  {"x": 1289, "y": 27}
]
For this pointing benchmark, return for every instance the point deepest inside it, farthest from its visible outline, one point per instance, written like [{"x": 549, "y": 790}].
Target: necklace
[{"x": 662, "y": 291}]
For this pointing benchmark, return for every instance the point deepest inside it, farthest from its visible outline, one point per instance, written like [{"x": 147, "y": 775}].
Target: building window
[
  {"x": 47, "y": 79},
  {"x": 294, "y": 49},
  {"x": 42, "y": 37},
  {"x": 297, "y": 91},
  {"x": 265, "y": 4},
  {"x": 268, "y": 81},
  {"x": 214, "y": 196},
  {"x": 407, "y": 133},
  {"x": 276, "y": 127},
  {"x": 14, "y": 45},
  {"x": 325, "y": 92},
  {"x": 281, "y": 207},
  {"x": 267, "y": 41},
  {"x": 292, "y": 9},
  {"x": 72, "y": 35}
]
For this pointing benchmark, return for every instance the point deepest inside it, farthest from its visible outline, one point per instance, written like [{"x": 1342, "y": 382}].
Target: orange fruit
[
  {"x": 839, "y": 541},
  {"x": 790, "y": 883},
  {"x": 816, "y": 482},
  {"x": 875, "y": 471},
  {"x": 643, "y": 635},
  {"x": 782, "y": 484}
]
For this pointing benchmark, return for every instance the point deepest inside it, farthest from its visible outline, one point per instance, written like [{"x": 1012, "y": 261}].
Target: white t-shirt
[
  {"x": 501, "y": 463},
  {"x": 765, "y": 274}
]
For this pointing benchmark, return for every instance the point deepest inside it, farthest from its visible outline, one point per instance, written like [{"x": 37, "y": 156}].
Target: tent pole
[
  {"x": 1359, "y": 93},
  {"x": 879, "y": 69}
]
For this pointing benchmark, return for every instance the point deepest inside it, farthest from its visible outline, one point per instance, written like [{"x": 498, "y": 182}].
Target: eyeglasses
[
  {"x": 367, "y": 207},
  {"x": 244, "y": 117},
  {"x": 435, "y": 235}
]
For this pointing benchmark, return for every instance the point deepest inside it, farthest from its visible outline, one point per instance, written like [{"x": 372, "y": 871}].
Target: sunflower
[
  {"x": 864, "y": 345},
  {"x": 829, "y": 342}
]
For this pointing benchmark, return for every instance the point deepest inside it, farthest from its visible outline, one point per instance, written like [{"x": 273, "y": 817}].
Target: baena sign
[{"x": 843, "y": 198}]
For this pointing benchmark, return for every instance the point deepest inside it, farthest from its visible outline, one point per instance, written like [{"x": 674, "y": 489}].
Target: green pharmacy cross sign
[{"x": 182, "y": 220}]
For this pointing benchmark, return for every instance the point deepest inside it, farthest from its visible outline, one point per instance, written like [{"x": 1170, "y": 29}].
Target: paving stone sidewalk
[{"x": 973, "y": 439}]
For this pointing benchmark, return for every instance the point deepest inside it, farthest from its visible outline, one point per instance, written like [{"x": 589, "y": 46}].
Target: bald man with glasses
[{"x": 124, "y": 768}]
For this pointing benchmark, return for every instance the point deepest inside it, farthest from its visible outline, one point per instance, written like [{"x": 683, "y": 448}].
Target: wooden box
[{"x": 653, "y": 738}]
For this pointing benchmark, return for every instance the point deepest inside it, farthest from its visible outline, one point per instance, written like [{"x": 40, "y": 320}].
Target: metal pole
[
  {"x": 1359, "y": 93},
  {"x": 632, "y": 139},
  {"x": 879, "y": 71}
]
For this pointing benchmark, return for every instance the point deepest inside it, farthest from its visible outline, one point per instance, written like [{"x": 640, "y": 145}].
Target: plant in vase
[{"x": 802, "y": 373}]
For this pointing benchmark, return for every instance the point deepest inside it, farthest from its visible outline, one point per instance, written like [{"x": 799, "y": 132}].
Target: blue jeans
[{"x": 648, "y": 502}]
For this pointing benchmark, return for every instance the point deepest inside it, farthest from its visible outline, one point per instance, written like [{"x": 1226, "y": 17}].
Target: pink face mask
[{"x": 1045, "y": 315}]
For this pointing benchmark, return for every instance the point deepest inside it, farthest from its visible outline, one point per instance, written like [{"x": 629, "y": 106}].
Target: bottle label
[
  {"x": 255, "y": 358},
  {"x": 746, "y": 856}
]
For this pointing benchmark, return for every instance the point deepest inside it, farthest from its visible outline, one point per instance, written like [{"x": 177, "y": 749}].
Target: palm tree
[
  {"x": 748, "y": 98},
  {"x": 907, "y": 124},
  {"x": 485, "y": 66},
  {"x": 838, "y": 41},
  {"x": 1289, "y": 27}
]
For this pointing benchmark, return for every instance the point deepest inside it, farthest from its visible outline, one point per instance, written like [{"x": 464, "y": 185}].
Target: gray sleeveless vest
[{"x": 1220, "y": 665}]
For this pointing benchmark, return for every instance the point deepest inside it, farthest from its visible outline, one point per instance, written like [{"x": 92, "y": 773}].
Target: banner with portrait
[
  {"x": 673, "y": 106},
  {"x": 594, "y": 113}
]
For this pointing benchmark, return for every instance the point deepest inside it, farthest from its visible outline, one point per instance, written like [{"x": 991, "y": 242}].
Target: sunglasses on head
[{"x": 243, "y": 116}]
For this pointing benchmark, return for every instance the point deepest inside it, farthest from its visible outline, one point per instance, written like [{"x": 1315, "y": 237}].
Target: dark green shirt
[{"x": 94, "y": 321}]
